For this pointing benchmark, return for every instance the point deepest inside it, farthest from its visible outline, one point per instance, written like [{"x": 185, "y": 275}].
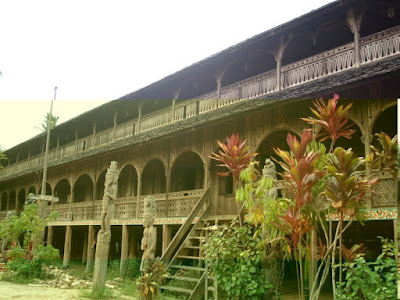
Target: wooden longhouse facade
[{"x": 163, "y": 134}]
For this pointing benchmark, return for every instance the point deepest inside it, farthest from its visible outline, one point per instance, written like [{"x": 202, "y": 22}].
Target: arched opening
[
  {"x": 276, "y": 139},
  {"x": 386, "y": 122},
  {"x": 48, "y": 190},
  {"x": 83, "y": 189},
  {"x": 21, "y": 199},
  {"x": 63, "y": 191},
  {"x": 100, "y": 185},
  {"x": 32, "y": 190},
  {"x": 154, "y": 180},
  {"x": 13, "y": 200},
  {"x": 4, "y": 198},
  {"x": 187, "y": 173},
  {"x": 127, "y": 182}
]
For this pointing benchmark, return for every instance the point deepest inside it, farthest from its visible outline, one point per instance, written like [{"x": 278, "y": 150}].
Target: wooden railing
[
  {"x": 179, "y": 204},
  {"x": 373, "y": 48}
]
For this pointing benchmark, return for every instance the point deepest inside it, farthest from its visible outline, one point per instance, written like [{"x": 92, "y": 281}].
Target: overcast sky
[{"x": 96, "y": 51}]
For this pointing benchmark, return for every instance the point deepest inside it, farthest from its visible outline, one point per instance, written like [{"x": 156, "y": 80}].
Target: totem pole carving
[
  {"x": 149, "y": 240},
  {"x": 110, "y": 194},
  {"x": 104, "y": 235}
]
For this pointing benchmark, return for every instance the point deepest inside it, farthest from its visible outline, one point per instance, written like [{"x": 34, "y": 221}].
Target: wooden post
[
  {"x": 278, "y": 54},
  {"x": 67, "y": 246},
  {"x": 84, "y": 251},
  {"x": 140, "y": 106},
  {"x": 139, "y": 192},
  {"x": 173, "y": 111},
  {"x": 354, "y": 22},
  {"x": 94, "y": 135},
  {"x": 115, "y": 123},
  {"x": 58, "y": 145},
  {"x": 50, "y": 236},
  {"x": 166, "y": 237},
  {"x": 124, "y": 249},
  {"x": 90, "y": 249}
]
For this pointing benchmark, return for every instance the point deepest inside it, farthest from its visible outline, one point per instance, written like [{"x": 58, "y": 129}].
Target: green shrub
[
  {"x": 371, "y": 280},
  {"x": 132, "y": 268},
  {"x": 232, "y": 255},
  {"x": 27, "y": 266}
]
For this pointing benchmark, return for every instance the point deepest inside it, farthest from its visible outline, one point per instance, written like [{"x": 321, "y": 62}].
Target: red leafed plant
[
  {"x": 234, "y": 155},
  {"x": 300, "y": 174},
  {"x": 332, "y": 120}
]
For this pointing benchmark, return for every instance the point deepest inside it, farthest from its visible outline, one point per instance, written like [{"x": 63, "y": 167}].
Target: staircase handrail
[{"x": 183, "y": 230}]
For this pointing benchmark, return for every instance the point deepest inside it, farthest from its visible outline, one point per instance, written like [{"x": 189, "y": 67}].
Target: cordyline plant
[
  {"x": 386, "y": 157},
  {"x": 332, "y": 120},
  {"x": 234, "y": 155},
  {"x": 299, "y": 175},
  {"x": 311, "y": 177}
]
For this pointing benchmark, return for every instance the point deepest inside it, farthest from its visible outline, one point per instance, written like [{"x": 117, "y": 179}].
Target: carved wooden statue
[
  {"x": 269, "y": 171},
  {"x": 149, "y": 240},
  {"x": 110, "y": 194},
  {"x": 104, "y": 235}
]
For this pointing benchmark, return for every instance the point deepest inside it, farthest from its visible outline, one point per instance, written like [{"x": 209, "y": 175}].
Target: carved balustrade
[
  {"x": 178, "y": 204},
  {"x": 372, "y": 48}
]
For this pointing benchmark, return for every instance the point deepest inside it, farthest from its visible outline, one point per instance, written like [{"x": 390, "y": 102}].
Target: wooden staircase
[
  {"x": 186, "y": 266},
  {"x": 189, "y": 277}
]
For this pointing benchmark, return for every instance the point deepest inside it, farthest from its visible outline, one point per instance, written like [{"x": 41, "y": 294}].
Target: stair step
[
  {"x": 196, "y": 237},
  {"x": 176, "y": 289},
  {"x": 187, "y": 268},
  {"x": 196, "y": 280},
  {"x": 211, "y": 289},
  {"x": 189, "y": 257},
  {"x": 192, "y": 247}
]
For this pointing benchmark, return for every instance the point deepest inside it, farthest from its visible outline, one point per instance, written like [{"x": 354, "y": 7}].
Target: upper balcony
[{"x": 373, "y": 48}]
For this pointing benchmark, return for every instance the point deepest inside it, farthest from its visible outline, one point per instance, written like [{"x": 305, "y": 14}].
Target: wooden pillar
[
  {"x": 90, "y": 250},
  {"x": 173, "y": 111},
  {"x": 67, "y": 246},
  {"x": 219, "y": 80},
  {"x": 94, "y": 134},
  {"x": 139, "y": 193},
  {"x": 166, "y": 237},
  {"x": 206, "y": 175},
  {"x": 278, "y": 54},
  {"x": 124, "y": 249},
  {"x": 49, "y": 235},
  {"x": 354, "y": 19},
  {"x": 140, "y": 106},
  {"x": 167, "y": 190},
  {"x": 84, "y": 251},
  {"x": 58, "y": 146},
  {"x": 115, "y": 123},
  {"x": 94, "y": 198}
]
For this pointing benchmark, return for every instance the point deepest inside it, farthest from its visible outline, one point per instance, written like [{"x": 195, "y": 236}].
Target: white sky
[{"x": 101, "y": 50}]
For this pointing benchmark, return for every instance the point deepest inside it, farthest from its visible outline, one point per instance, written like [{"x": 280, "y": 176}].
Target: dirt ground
[{"x": 10, "y": 290}]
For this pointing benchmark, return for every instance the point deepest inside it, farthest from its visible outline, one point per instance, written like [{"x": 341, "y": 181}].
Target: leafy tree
[
  {"x": 53, "y": 122},
  {"x": 28, "y": 227},
  {"x": 2, "y": 157}
]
